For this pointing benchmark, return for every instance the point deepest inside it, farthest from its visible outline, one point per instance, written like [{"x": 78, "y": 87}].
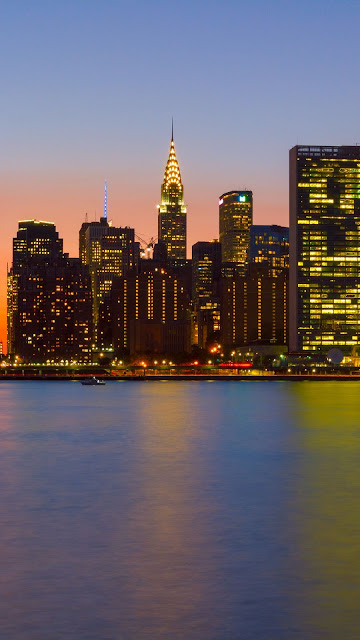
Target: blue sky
[{"x": 88, "y": 89}]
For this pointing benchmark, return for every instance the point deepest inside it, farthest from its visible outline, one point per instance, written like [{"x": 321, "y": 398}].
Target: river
[{"x": 179, "y": 510}]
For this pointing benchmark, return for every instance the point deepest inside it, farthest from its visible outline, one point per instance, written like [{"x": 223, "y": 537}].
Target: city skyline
[
  {"x": 89, "y": 91},
  {"x": 197, "y": 231}
]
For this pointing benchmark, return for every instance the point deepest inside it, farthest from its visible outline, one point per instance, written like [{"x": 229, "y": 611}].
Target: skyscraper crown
[{"x": 172, "y": 170}]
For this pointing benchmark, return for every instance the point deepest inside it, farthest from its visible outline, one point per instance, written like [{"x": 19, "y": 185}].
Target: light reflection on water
[{"x": 183, "y": 510}]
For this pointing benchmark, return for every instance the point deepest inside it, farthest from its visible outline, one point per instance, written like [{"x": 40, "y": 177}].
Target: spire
[
  {"x": 172, "y": 129},
  {"x": 105, "y": 201},
  {"x": 172, "y": 170}
]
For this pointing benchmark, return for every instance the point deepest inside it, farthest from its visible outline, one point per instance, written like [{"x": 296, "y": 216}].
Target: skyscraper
[
  {"x": 206, "y": 274},
  {"x": 324, "y": 248},
  {"x": 254, "y": 309},
  {"x": 206, "y": 270},
  {"x": 109, "y": 252},
  {"x": 150, "y": 312},
  {"x": 269, "y": 246},
  {"x": 49, "y": 298},
  {"x": 36, "y": 240},
  {"x": 172, "y": 211},
  {"x": 235, "y": 219}
]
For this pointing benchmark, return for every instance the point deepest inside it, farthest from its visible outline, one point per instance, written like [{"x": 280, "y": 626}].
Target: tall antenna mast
[{"x": 105, "y": 201}]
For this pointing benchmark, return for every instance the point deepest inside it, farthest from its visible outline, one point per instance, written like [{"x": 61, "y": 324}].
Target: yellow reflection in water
[
  {"x": 328, "y": 417},
  {"x": 170, "y": 559}
]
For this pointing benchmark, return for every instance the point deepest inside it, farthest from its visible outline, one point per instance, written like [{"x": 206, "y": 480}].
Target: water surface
[{"x": 179, "y": 510}]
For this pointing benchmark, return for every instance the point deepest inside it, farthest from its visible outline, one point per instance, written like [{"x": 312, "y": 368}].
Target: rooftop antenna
[
  {"x": 105, "y": 201},
  {"x": 86, "y": 217}
]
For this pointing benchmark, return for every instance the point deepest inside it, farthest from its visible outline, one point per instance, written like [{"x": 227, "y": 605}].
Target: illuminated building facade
[
  {"x": 172, "y": 211},
  {"x": 324, "y": 248},
  {"x": 206, "y": 270},
  {"x": 49, "y": 299},
  {"x": 235, "y": 220},
  {"x": 254, "y": 309},
  {"x": 36, "y": 239},
  {"x": 269, "y": 245},
  {"x": 206, "y": 273},
  {"x": 109, "y": 252},
  {"x": 150, "y": 313}
]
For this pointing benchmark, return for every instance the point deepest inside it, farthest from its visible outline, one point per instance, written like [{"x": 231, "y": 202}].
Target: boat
[{"x": 92, "y": 382}]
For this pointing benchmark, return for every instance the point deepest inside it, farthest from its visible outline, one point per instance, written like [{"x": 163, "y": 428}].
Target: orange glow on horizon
[{"x": 64, "y": 199}]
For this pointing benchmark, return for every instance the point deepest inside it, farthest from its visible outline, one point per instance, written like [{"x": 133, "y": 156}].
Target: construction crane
[{"x": 146, "y": 246}]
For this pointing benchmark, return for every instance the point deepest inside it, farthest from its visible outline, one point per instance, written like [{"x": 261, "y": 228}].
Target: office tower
[
  {"x": 109, "y": 252},
  {"x": 269, "y": 246},
  {"x": 206, "y": 270},
  {"x": 254, "y": 309},
  {"x": 206, "y": 273},
  {"x": 235, "y": 219},
  {"x": 49, "y": 299},
  {"x": 324, "y": 248},
  {"x": 90, "y": 235},
  {"x": 36, "y": 240},
  {"x": 150, "y": 313},
  {"x": 172, "y": 211}
]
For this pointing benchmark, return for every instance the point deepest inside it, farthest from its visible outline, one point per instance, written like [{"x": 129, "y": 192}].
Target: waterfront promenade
[{"x": 138, "y": 374}]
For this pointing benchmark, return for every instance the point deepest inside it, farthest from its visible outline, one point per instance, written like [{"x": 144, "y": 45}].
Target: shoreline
[{"x": 182, "y": 378}]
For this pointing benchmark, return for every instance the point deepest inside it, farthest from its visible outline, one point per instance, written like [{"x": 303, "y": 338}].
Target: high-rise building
[
  {"x": 254, "y": 309},
  {"x": 269, "y": 246},
  {"x": 150, "y": 312},
  {"x": 206, "y": 274},
  {"x": 172, "y": 211},
  {"x": 324, "y": 248},
  {"x": 36, "y": 240},
  {"x": 49, "y": 298},
  {"x": 206, "y": 271},
  {"x": 235, "y": 219},
  {"x": 109, "y": 252}
]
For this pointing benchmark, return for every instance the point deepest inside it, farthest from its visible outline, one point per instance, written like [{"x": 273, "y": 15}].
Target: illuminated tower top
[
  {"x": 172, "y": 176},
  {"x": 105, "y": 201},
  {"x": 172, "y": 211}
]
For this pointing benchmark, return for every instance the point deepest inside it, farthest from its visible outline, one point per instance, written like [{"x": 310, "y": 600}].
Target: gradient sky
[{"x": 88, "y": 89}]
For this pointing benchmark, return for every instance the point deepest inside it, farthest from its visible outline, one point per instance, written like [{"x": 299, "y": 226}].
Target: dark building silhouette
[
  {"x": 49, "y": 299},
  {"x": 324, "y": 248},
  {"x": 160, "y": 254}
]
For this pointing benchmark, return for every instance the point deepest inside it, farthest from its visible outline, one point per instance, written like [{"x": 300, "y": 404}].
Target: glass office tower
[
  {"x": 324, "y": 248},
  {"x": 235, "y": 219},
  {"x": 269, "y": 246}
]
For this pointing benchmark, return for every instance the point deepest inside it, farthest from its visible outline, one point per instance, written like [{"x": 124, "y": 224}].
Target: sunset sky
[{"x": 88, "y": 90}]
